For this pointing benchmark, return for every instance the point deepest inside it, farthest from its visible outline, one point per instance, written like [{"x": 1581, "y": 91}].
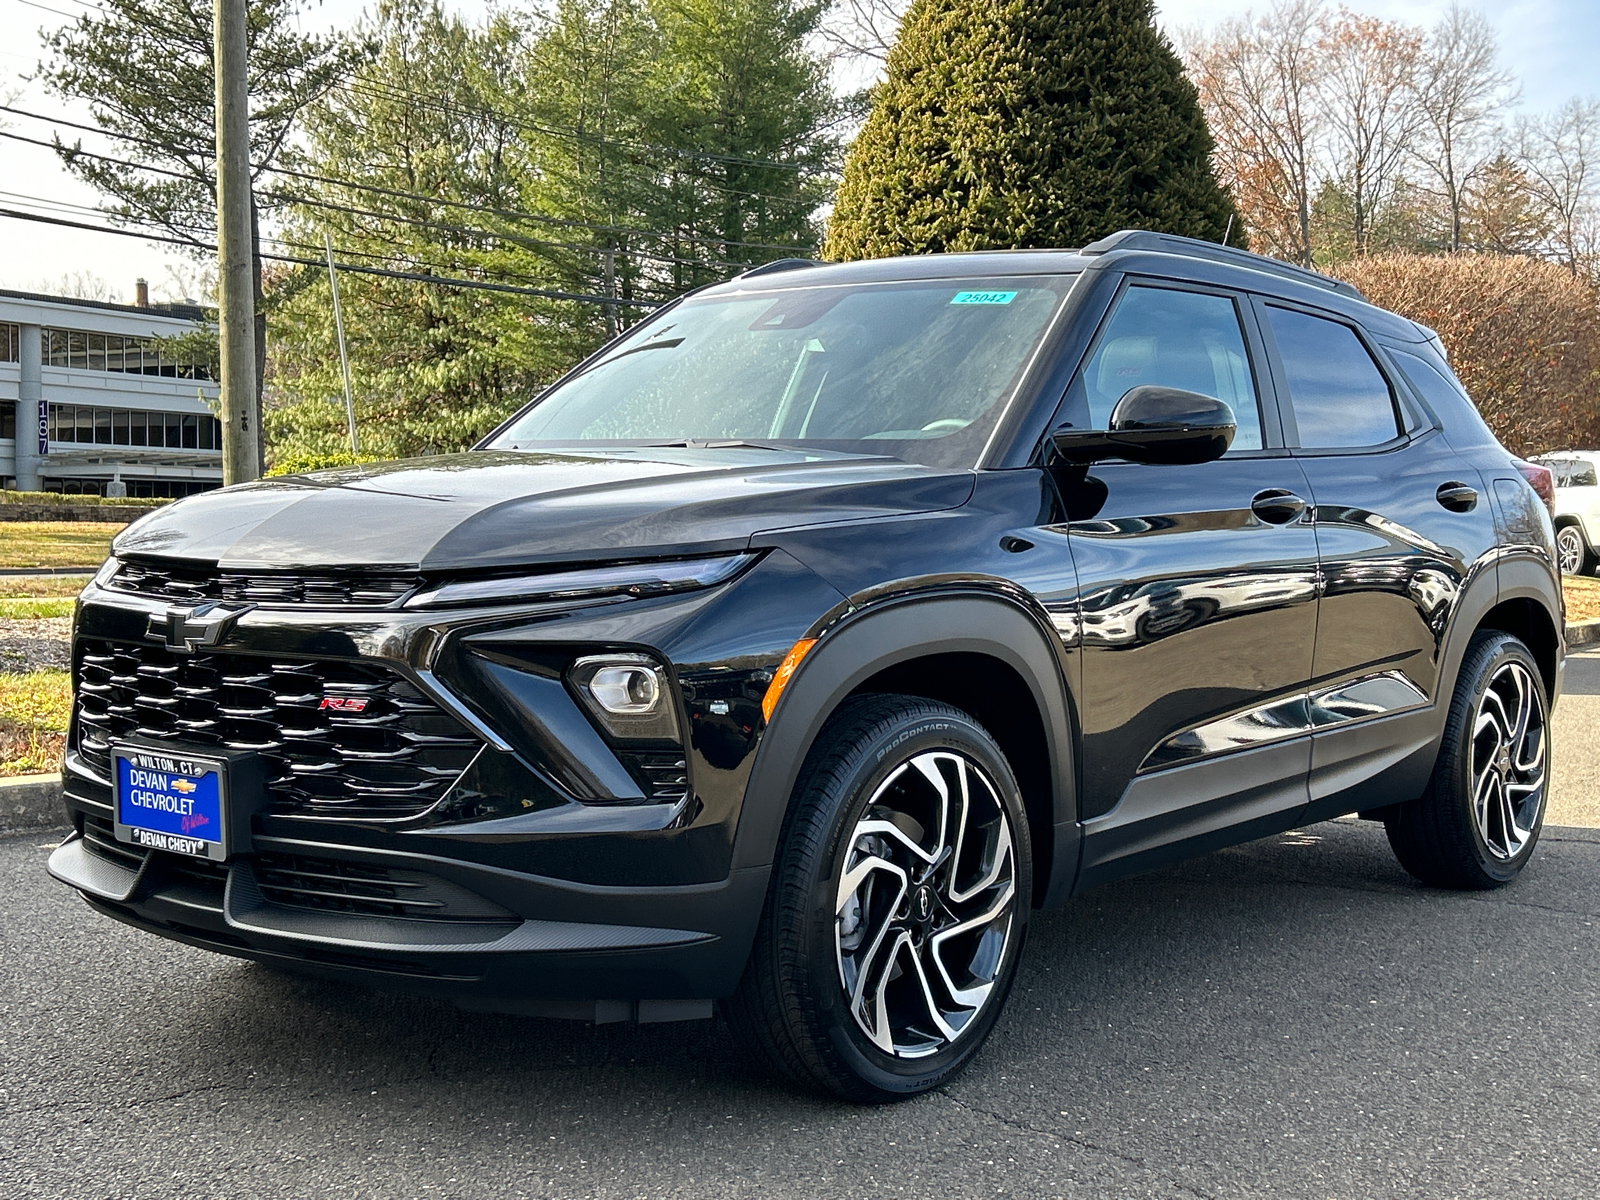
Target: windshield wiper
[{"x": 716, "y": 444}]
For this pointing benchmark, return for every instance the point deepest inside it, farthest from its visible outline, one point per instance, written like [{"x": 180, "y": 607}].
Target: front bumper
[
  {"x": 535, "y": 898},
  {"x": 330, "y": 909}
]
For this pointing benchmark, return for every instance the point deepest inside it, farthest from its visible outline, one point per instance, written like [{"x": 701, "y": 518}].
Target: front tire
[
  {"x": 897, "y": 908},
  {"x": 1478, "y": 822}
]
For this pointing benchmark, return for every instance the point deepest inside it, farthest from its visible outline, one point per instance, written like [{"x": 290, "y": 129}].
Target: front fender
[{"x": 884, "y": 634}]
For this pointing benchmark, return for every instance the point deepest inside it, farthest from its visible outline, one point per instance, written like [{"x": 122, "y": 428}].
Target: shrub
[
  {"x": 303, "y": 462},
  {"x": 1019, "y": 123},
  {"x": 1523, "y": 337}
]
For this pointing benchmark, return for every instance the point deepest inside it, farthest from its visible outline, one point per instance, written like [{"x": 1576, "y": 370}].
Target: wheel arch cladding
[{"x": 982, "y": 655}]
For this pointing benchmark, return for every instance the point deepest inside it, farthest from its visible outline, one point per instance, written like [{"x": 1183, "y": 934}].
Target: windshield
[{"x": 919, "y": 370}]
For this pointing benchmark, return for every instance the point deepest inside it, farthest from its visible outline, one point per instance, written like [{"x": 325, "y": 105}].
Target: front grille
[
  {"x": 190, "y": 583},
  {"x": 396, "y": 757}
]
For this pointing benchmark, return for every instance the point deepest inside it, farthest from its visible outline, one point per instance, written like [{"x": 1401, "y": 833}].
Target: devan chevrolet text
[{"x": 795, "y": 646}]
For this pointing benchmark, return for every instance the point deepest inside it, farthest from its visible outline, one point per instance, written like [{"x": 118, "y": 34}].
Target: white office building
[{"x": 95, "y": 399}]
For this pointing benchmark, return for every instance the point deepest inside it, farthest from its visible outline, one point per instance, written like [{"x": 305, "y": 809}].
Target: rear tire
[
  {"x": 1478, "y": 822},
  {"x": 1572, "y": 551},
  {"x": 897, "y": 907}
]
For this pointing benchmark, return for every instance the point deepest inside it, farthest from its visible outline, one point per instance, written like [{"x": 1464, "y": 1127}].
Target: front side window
[
  {"x": 921, "y": 370},
  {"x": 1188, "y": 340},
  {"x": 1340, "y": 398}
]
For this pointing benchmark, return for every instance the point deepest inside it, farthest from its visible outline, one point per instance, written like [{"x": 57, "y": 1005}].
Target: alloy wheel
[
  {"x": 1569, "y": 550},
  {"x": 1508, "y": 759},
  {"x": 926, "y": 903}
]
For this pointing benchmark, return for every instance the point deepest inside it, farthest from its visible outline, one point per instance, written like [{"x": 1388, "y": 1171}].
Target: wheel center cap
[
  {"x": 1504, "y": 764},
  {"x": 922, "y": 904}
]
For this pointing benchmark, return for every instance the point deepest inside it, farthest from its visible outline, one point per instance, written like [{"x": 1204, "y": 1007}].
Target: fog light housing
[{"x": 629, "y": 696}]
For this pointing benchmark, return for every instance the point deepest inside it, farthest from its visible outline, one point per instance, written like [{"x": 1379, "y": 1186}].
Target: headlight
[
  {"x": 628, "y": 694},
  {"x": 626, "y": 579}
]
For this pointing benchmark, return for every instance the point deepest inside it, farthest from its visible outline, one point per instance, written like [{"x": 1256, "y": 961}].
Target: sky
[{"x": 1552, "y": 46}]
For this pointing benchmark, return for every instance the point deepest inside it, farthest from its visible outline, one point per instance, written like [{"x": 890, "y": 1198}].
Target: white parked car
[{"x": 1577, "y": 508}]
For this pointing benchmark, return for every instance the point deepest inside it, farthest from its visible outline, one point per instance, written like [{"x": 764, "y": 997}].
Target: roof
[{"x": 186, "y": 312}]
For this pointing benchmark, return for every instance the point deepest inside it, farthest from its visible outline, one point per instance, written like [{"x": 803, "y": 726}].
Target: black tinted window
[
  {"x": 1340, "y": 397},
  {"x": 1175, "y": 339}
]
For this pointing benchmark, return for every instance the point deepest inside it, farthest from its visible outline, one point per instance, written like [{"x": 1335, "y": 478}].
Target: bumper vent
[
  {"x": 302, "y": 882},
  {"x": 190, "y": 583},
  {"x": 394, "y": 758},
  {"x": 334, "y": 885},
  {"x": 664, "y": 774},
  {"x": 101, "y": 840}
]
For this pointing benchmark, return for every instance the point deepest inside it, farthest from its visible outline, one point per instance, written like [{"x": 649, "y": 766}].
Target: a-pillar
[{"x": 30, "y": 405}]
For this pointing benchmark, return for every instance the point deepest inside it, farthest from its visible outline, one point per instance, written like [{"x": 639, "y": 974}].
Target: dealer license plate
[{"x": 171, "y": 801}]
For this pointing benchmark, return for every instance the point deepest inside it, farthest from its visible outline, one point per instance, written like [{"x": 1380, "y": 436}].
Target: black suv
[{"x": 793, "y": 647}]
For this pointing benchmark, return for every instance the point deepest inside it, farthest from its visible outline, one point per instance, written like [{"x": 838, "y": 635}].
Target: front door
[{"x": 1196, "y": 600}]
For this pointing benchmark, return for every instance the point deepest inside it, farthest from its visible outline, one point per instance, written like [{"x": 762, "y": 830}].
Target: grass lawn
[
  {"x": 1583, "y": 597},
  {"x": 56, "y": 543},
  {"x": 33, "y": 609},
  {"x": 37, "y": 587},
  {"x": 33, "y": 721}
]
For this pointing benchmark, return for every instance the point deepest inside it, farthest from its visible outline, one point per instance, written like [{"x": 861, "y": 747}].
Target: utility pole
[
  {"x": 610, "y": 272},
  {"x": 241, "y": 424},
  {"x": 344, "y": 357}
]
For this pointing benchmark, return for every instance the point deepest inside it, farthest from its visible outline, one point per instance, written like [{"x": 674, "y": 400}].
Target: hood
[{"x": 487, "y": 509}]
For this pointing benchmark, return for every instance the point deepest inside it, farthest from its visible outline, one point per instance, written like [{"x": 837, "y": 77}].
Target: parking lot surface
[{"x": 1293, "y": 1018}]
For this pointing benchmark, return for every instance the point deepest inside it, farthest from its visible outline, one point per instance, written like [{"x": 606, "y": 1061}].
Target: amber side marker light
[{"x": 785, "y": 672}]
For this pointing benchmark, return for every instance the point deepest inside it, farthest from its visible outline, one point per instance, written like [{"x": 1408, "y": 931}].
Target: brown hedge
[{"x": 1523, "y": 336}]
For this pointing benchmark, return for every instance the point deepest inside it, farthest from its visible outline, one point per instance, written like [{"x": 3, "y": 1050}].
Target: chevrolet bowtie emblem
[{"x": 185, "y": 630}]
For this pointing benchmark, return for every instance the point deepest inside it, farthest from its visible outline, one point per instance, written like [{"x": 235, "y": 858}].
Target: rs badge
[{"x": 352, "y": 704}]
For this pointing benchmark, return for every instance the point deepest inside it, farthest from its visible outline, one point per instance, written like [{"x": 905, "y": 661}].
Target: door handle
[
  {"x": 1457, "y": 496},
  {"x": 1276, "y": 506}
]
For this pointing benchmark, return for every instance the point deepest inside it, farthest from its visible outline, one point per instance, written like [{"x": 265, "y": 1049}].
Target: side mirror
[{"x": 1153, "y": 424}]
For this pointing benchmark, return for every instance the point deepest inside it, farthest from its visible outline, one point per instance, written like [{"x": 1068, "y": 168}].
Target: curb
[
  {"x": 1583, "y": 633},
  {"x": 31, "y": 802},
  {"x": 4, "y": 571}
]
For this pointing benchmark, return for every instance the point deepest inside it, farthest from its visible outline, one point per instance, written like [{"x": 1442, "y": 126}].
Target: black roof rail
[
  {"x": 1171, "y": 243},
  {"x": 778, "y": 264}
]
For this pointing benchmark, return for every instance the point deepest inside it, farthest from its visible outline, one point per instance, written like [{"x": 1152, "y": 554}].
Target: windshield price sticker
[
  {"x": 170, "y": 802},
  {"x": 983, "y": 298}
]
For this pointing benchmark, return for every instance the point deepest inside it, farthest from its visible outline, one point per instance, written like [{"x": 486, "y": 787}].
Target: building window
[
  {"x": 84, "y": 424},
  {"x": 8, "y": 419},
  {"x": 10, "y": 345},
  {"x": 107, "y": 352}
]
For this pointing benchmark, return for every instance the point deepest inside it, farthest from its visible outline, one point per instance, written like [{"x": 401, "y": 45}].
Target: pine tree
[{"x": 1027, "y": 123}]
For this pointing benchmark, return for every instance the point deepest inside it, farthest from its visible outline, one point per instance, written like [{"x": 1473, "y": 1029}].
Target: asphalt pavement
[
  {"x": 1294, "y": 1018},
  {"x": 1575, "y": 746}
]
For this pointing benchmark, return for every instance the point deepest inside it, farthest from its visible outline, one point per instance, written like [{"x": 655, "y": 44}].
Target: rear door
[
  {"x": 1196, "y": 594},
  {"x": 1400, "y": 523}
]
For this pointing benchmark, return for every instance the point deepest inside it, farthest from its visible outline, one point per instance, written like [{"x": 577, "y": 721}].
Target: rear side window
[
  {"x": 1187, "y": 340},
  {"x": 1571, "y": 472},
  {"x": 1340, "y": 397}
]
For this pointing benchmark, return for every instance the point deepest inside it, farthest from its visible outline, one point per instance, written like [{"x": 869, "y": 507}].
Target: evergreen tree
[
  {"x": 597, "y": 148},
  {"x": 1021, "y": 123},
  {"x": 143, "y": 68}
]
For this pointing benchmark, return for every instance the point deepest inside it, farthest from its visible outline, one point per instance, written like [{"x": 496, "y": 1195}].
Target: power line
[
  {"x": 399, "y": 218},
  {"x": 312, "y": 177},
  {"x": 354, "y": 268},
  {"x": 565, "y": 132}
]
